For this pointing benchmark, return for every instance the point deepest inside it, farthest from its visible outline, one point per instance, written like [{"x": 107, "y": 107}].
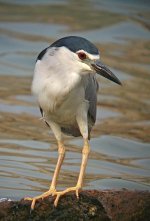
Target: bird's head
[{"x": 78, "y": 53}]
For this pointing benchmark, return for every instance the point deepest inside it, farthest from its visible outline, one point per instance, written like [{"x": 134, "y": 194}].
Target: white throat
[{"x": 54, "y": 78}]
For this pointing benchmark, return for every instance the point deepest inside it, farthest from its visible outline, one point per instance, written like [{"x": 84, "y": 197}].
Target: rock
[{"x": 92, "y": 205}]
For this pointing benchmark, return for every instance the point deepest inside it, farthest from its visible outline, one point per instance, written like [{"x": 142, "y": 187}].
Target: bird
[{"x": 65, "y": 87}]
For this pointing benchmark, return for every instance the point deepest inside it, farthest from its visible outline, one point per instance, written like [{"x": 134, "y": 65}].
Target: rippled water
[
  {"x": 27, "y": 165},
  {"x": 118, "y": 33}
]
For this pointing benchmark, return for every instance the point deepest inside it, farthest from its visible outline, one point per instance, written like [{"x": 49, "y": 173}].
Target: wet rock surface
[{"x": 92, "y": 205}]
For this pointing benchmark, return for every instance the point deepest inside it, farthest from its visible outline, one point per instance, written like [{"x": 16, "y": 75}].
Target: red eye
[{"x": 82, "y": 55}]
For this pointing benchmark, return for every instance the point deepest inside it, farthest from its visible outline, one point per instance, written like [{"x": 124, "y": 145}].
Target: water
[
  {"x": 38, "y": 29},
  {"x": 118, "y": 33},
  {"x": 33, "y": 2},
  {"x": 123, "y": 7},
  {"x": 120, "y": 151},
  {"x": 27, "y": 166}
]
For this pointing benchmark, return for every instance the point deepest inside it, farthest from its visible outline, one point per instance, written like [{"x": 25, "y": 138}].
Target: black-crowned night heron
[{"x": 66, "y": 89}]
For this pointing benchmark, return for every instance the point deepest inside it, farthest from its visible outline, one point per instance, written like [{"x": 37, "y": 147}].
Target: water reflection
[
  {"x": 117, "y": 184},
  {"x": 119, "y": 33},
  {"x": 33, "y": 2},
  {"x": 17, "y": 109},
  {"x": 38, "y": 29},
  {"x": 123, "y": 7},
  {"x": 27, "y": 166}
]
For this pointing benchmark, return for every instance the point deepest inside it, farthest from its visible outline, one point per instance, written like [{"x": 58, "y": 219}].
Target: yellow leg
[
  {"x": 85, "y": 153},
  {"x": 61, "y": 151},
  {"x": 52, "y": 189}
]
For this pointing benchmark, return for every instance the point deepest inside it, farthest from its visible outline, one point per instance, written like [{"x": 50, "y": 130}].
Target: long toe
[
  {"x": 42, "y": 196},
  {"x": 61, "y": 193}
]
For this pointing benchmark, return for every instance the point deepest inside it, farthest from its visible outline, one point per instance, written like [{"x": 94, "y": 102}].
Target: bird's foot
[
  {"x": 61, "y": 193},
  {"x": 42, "y": 196}
]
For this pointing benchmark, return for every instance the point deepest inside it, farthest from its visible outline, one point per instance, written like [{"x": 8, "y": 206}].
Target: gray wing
[
  {"x": 70, "y": 130},
  {"x": 91, "y": 88}
]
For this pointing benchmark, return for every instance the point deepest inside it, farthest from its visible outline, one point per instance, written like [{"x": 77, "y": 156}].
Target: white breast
[
  {"x": 58, "y": 84},
  {"x": 65, "y": 113},
  {"x": 59, "y": 95}
]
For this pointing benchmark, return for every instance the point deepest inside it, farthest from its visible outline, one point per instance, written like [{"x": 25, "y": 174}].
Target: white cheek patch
[
  {"x": 90, "y": 56},
  {"x": 94, "y": 57}
]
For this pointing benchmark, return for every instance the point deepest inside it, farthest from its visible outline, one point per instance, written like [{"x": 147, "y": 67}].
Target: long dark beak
[{"x": 101, "y": 69}]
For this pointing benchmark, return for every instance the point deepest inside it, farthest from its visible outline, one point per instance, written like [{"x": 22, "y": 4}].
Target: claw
[
  {"x": 42, "y": 196},
  {"x": 53, "y": 193},
  {"x": 61, "y": 193},
  {"x": 56, "y": 200},
  {"x": 77, "y": 193},
  {"x": 33, "y": 204}
]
